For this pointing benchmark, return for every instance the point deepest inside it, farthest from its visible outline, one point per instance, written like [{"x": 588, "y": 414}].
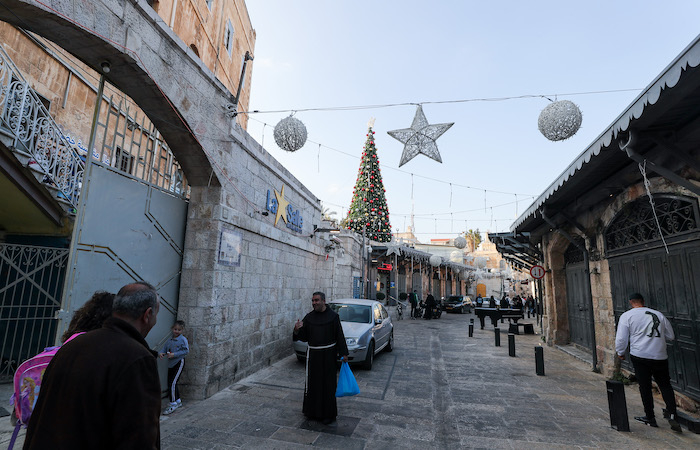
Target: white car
[{"x": 367, "y": 328}]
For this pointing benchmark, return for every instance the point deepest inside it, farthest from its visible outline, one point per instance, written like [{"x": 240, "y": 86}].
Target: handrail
[{"x": 36, "y": 133}]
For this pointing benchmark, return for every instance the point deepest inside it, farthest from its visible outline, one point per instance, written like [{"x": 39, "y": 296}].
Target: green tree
[
  {"x": 473, "y": 238},
  {"x": 368, "y": 212}
]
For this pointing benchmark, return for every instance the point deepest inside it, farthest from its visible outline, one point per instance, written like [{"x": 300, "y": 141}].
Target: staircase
[{"x": 35, "y": 140}]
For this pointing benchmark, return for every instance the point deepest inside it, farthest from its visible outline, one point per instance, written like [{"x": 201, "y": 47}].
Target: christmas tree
[{"x": 369, "y": 213}]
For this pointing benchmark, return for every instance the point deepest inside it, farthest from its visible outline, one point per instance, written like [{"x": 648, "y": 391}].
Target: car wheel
[
  {"x": 369, "y": 359},
  {"x": 390, "y": 345},
  {"x": 301, "y": 359},
  {"x": 461, "y": 310}
]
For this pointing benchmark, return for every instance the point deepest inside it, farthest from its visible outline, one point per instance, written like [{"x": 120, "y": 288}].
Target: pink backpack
[{"x": 27, "y": 382}]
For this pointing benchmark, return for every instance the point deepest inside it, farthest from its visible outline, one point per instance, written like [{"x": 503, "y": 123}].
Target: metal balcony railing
[{"x": 34, "y": 132}]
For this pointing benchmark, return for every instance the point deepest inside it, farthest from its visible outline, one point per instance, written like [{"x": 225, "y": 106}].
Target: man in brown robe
[{"x": 322, "y": 330}]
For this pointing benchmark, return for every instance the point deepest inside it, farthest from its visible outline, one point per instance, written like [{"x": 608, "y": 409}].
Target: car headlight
[{"x": 351, "y": 341}]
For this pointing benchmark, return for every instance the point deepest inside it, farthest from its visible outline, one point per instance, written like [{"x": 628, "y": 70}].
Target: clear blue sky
[{"x": 324, "y": 53}]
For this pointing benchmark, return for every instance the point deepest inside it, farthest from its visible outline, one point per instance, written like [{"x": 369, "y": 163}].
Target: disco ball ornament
[
  {"x": 435, "y": 260},
  {"x": 456, "y": 256},
  {"x": 464, "y": 274},
  {"x": 560, "y": 120},
  {"x": 290, "y": 134},
  {"x": 460, "y": 242}
]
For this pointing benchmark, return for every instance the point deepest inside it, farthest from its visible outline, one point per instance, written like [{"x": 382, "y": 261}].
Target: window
[
  {"x": 209, "y": 2},
  {"x": 123, "y": 161},
  {"x": 228, "y": 37}
]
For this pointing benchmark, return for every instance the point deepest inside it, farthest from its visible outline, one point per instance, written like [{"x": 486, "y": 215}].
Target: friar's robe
[{"x": 321, "y": 329}]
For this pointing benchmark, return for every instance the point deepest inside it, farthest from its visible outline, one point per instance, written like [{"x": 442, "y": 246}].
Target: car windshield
[
  {"x": 454, "y": 299},
  {"x": 352, "y": 313}
]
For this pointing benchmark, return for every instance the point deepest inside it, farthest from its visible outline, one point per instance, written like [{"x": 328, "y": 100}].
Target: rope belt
[{"x": 308, "y": 350}]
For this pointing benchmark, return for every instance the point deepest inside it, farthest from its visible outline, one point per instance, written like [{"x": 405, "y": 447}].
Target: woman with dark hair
[{"x": 91, "y": 315}]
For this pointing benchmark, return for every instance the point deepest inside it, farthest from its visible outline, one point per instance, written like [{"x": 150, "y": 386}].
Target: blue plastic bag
[{"x": 346, "y": 382}]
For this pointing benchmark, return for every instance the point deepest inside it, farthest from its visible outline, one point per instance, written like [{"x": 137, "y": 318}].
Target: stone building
[
  {"x": 233, "y": 242},
  {"x": 623, "y": 218}
]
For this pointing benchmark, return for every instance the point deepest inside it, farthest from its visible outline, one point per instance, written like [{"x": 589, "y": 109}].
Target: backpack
[{"x": 27, "y": 382}]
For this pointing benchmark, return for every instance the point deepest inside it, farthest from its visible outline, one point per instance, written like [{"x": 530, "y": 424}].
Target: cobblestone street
[{"x": 437, "y": 389}]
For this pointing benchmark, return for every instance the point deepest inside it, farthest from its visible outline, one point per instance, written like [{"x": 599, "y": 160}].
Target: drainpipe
[{"x": 589, "y": 292}]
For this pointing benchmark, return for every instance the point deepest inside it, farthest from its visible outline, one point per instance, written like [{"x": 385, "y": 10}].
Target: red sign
[
  {"x": 385, "y": 266},
  {"x": 537, "y": 272}
]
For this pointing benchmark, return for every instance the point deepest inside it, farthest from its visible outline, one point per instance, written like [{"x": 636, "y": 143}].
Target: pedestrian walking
[
  {"x": 430, "y": 305},
  {"x": 101, "y": 389},
  {"x": 322, "y": 330},
  {"x": 175, "y": 349},
  {"x": 646, "y": 331},
  {"x": 414, "y": 304}
]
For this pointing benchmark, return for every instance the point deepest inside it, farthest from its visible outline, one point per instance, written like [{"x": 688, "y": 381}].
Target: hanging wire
[
  {"x": 319, "y": 159},
  {"x": 642, "y": 169},
  {"x": 262, "y": 143},
  {"x": 450, "y": 195}
]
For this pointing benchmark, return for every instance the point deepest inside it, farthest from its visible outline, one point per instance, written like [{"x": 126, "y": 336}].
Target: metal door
[
  {"x": 576, "y": 298},
  {"x": 31, "y": 279},
  {"x": 669, "y": 283},
  {"x": 127, "y": 230}
]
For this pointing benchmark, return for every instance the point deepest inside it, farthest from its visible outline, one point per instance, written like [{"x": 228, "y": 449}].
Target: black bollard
[
  {"x": 539, "y": 361},
  {"x": 471, "y": 320},
  {"x": 511, "y": 344},
  {"x": 471, "y": 330},
  {"x": 497, "y": 336},
  {"x": 617, "y": 405}
]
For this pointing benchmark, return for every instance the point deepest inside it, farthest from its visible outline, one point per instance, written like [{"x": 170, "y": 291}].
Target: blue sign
[{"x": 291, "y": 217}]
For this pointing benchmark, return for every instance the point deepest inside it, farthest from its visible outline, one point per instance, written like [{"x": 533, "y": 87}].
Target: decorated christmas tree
[{"x": 369, "y": 213}]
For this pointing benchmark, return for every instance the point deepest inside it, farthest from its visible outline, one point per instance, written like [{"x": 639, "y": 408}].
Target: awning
[
  {"x": 516, "y": 248},
  {"x": 603, "y": 157}
]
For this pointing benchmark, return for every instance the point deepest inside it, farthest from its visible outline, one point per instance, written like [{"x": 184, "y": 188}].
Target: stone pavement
[{"x": 437, "y": 389}]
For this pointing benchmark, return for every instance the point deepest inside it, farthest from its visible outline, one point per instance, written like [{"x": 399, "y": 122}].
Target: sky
[{"x": 322, "y": 54}]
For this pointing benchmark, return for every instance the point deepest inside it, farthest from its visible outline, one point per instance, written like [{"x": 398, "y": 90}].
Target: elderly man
[
  {"x": 322, "y": 330},
  {"x": 646, "y": 331},
  {"x": 102, "y": 390}
]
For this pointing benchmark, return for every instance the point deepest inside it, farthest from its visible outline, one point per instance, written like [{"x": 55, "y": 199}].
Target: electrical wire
[{"x": 437, "y": 102}]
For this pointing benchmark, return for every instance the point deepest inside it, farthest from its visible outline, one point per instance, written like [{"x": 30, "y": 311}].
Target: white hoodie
[{"x": 646, "y": 336}]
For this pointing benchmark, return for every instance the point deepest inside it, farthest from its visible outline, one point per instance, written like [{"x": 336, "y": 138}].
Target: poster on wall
[{"x": 230, "y": 247}]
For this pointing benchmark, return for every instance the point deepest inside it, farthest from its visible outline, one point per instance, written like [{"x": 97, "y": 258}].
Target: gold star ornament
[{"x": 281, "y": 206}]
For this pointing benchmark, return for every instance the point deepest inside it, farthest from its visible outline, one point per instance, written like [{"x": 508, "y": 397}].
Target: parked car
[
  {"x": 458, "y": 304},
  {"x": 367, "y": 327}
]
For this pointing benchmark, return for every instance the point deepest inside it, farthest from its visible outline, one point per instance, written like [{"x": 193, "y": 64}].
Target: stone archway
[{"x": 147, "y": 62}]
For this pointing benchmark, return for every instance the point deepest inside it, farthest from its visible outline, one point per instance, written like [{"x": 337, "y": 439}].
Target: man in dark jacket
[{"x": 102, "y": 390}]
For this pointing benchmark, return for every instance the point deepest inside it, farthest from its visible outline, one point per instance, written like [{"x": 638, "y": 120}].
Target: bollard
[
  {"x": 471, "y": 320},
  {"x": 471, "y": 330},
  {"x": 511, "y": 344},
  {"x": 617, "y": 405},
  {"x": 539, "y": 360},
  {"x": 497, "y": 336}
]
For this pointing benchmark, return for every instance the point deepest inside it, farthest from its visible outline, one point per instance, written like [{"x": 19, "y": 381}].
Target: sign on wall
[
  {"x": 230, "y": 247},
  {"x": 278, "y": 205}
]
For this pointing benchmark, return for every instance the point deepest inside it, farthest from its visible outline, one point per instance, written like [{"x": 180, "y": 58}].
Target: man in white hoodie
[{"x": 646, "y": 331}]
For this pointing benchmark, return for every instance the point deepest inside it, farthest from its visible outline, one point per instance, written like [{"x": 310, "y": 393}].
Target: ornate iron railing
[
  {"x": 636, "y": 224},
  {"x": 35, "y": 132}
]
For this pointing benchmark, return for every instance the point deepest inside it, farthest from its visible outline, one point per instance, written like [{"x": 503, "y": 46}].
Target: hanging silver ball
[
  {"x": 560, "y": 120},
  {"x": 435, "y": 260},
  {"x": 457, "y": 256},
  {"x": 290, "y": 134},
  {"x": 460, "y": 242}
]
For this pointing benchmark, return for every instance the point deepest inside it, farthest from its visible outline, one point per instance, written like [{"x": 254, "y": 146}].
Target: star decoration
[
  {"x": 392, "y": 248},
  {"x": 281, "y": 206},
  {"x": 420, "y": 138}
]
